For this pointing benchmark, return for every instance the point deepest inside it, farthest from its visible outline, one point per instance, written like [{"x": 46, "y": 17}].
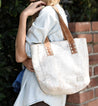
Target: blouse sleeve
[{"x": 39, "y": 29}]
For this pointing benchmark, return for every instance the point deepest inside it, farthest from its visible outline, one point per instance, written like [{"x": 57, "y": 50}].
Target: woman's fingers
[
  {"x": 39, "y": 8},
  {"x": 40, "y": 2},
  {"x": 30, "y": 68},
  {"x": 28, "y": 64},
  {"x": 39, "y": 5}
]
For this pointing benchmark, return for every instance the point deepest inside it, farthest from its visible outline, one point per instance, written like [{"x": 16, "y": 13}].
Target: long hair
[{"x": 32, "y": 18}]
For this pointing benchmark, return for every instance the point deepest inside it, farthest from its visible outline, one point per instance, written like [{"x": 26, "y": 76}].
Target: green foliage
[
  {"x": 80, "y": 10},
  {"x": 9, "y": 16},
  {"x": 0, "y": 3},
  {"x": 83, "y": 10}
]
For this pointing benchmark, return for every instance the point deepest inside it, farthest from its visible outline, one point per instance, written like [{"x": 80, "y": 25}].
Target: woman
[{"x": 45, "y": 24}]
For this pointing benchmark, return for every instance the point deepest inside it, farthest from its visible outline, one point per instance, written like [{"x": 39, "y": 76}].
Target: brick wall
[{"x": 89, "y": 95}]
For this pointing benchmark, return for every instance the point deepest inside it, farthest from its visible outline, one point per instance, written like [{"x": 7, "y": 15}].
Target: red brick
[
  {"x": 93, "y": 82},
  {"x": 86, "y": 96},
  {"x": 90, "y": 48},
  {"x": 72, "y": 27},
  {"x": 93, "y": 59},
  {"x": 96, "y": 92},
  {"x": 80, "y": 97},
  {"x": 84, "y": 105},
  {"x": 95, "y": 26},
  {"x": 95, "y": 38},
  {"x": 74, "y": 98},
  {"x": 96, "y": 48},
  {"x": 92, "y": 103},
  {"x": 96, "y": 70},
  {"x": 80, "y": 26},
  {"x": 89, "y": 86},
  {"x": 87, "y": 36},
  {"x": 90, "y": 71},
  {"x": 70, "y": 105}
]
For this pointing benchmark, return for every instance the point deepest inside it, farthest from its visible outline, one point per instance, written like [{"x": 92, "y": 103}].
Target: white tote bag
[{"x": 61, "y": 67}]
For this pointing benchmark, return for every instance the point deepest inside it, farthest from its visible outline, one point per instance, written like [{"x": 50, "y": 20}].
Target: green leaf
[
  {"x": 17, "y": 3},
  {"x": 2, "y": 96},
  {"x": 0, "y": 3}
]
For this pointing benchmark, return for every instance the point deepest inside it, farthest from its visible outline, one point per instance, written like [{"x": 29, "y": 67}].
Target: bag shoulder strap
[{"x": 66, "y": 33}]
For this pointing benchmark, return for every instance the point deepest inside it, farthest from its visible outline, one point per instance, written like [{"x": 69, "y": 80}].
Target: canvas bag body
[{"x": 63, "y": 72}]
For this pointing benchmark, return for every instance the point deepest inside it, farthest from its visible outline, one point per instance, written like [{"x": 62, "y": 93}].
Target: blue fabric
[{"x": 17, "y": 83}]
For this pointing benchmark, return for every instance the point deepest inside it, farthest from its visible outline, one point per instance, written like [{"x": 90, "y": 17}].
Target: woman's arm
[
  {"x": 20, "y": 39},
  {"x": 21, "y": 34}
]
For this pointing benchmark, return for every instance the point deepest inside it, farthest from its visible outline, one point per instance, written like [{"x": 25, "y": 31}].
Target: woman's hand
[
  {"x": 28, "y": 64},
  {"x": 33, "y": 8}
]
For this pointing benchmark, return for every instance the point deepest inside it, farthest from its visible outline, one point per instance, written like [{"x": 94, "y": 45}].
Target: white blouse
[{"x": 46, "y": 24}]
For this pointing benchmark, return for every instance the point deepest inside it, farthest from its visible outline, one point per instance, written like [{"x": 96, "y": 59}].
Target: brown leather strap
[
  {"x": 66, "y": 33},
  {"x": 48, "y": 47}
]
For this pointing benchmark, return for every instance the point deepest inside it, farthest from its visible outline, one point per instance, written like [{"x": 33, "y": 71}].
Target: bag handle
[{"x": 66, "y": 33}]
